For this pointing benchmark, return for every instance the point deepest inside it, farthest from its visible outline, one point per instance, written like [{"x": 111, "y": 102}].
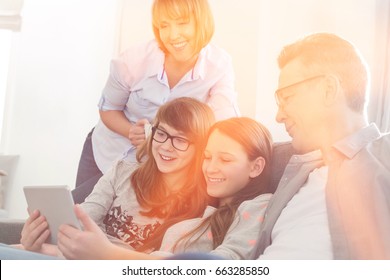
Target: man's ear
[
  {"x": 257, "y": 167},
  {"x": 332, "y": 90}
]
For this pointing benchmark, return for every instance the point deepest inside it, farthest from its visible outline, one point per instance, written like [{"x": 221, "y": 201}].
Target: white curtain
[
  {"x": 10, "y": 14},
  {"x": 379, "y": 106}
]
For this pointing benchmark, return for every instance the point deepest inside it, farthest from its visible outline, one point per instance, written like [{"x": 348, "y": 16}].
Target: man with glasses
[{"x": 333, "y": 201}]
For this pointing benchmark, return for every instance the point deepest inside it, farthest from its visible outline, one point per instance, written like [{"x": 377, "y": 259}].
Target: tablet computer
[{"x": 55, "y": 203}]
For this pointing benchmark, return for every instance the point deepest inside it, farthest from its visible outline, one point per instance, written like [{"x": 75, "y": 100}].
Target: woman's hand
[
  {"x": 137, "y": 132},
  {"x": 35, "y": 232},
  {"x": 118, "y": 122},
  {"x": 91, "y": 243}
]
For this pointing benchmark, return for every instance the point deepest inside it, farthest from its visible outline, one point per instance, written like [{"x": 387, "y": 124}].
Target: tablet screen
[{"x": 55, "y": 203}]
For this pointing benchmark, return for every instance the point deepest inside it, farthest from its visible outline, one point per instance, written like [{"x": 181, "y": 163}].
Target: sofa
[{"x": 10, "y": 229}]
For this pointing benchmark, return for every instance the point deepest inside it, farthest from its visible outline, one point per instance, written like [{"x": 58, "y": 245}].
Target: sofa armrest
[{"x": 10, "y": 230}]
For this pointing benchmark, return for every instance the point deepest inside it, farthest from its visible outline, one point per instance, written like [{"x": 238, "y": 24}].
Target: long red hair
[{"x": 193, "y": 118}]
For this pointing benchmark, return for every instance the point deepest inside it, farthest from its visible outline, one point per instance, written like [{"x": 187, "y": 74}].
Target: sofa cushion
[
  {"x": 282, "y": 152},
  {"x": 10, "y": 230}
]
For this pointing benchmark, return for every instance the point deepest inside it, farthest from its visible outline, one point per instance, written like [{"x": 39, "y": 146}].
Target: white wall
[
  {"x": 5, "y": 49},
  {"x": 59, "y": 64},
  {"x": 60, "y": 61}
]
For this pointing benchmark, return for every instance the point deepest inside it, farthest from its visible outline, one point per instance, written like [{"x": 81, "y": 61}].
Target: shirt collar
[
  {"x": 200, "y": 66},
  {"x": 352, "y": 144},
  {"x": 198, "y": 72},
  {"x": 158, "y": 66},
  {"x": 310, "y": 156}
]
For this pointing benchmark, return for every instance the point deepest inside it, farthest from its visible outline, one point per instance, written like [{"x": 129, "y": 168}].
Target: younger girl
[{"x": 236, "y": 166}]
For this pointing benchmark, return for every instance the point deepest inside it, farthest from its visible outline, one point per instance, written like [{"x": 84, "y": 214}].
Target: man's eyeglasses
[
  {"x": 281, "y": 99},
  {"x": 161, "y": 136}
]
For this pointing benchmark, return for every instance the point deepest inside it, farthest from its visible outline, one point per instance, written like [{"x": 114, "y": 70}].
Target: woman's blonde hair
[
  {"x": 194, "y": 119},
  {"x": 174, "y": 9},
  {"x": 257, "y": 142}
]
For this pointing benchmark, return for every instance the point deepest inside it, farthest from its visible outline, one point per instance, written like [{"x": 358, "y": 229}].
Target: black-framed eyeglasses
[
  {"x": 281, "y": 100},
  {"x": 161, "y": 136}
]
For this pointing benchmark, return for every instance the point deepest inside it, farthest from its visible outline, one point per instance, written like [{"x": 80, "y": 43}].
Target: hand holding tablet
[{"x": 55, "y": 203}]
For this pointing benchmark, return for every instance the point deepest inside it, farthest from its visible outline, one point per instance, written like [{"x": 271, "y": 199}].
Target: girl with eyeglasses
[{"x": 133, "y": 203}]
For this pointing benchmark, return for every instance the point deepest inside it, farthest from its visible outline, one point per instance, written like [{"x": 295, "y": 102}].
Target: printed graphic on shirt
[{"x": 120, "y": 225}]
